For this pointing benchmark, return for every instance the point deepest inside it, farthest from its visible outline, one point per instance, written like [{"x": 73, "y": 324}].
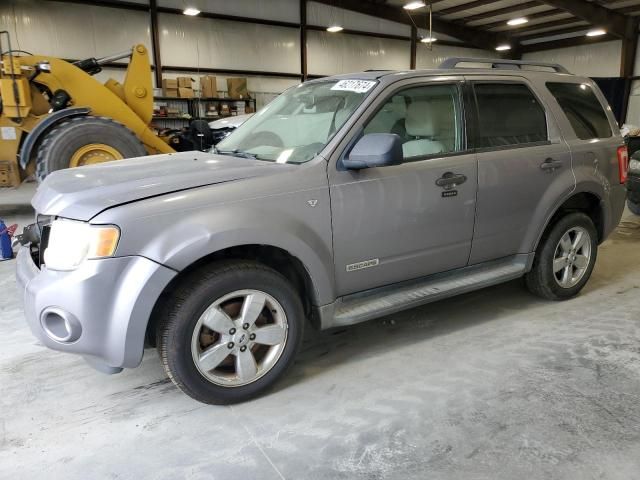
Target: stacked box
[
  {"x": 209, "y": 86},
  {"x": 237, "y": 88},
  {"x": 169, "y": 87}
]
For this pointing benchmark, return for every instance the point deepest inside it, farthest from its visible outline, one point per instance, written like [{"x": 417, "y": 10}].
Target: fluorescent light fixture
[
  {"x": 428, "y": 39},
  {"x": 414, "y": 5},
  {"x": 191, "y": 11},
  {"x": 517, "y": 21},
  {"x": 596, "y": 33},
  {"x": 334, "y": 28},
  {"x": 502, "y": 48}
]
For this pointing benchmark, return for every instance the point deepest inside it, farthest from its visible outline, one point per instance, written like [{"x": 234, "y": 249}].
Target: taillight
[{"x": 623, "y": 163}]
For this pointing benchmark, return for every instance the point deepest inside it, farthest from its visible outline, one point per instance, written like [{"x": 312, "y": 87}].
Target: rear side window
[
  {"x": 508, "y": 114},
  {"x": 582, "y": 108}
]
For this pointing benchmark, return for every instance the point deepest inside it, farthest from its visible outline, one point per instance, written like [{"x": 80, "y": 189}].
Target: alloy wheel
[
  {"x": 239, "y": 338},
  {"x": 572, "y": 257}
]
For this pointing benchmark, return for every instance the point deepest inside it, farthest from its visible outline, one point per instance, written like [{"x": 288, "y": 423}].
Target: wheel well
[
  {"x": 584, "y": 202},
  {"x": 278, "y": 259}
]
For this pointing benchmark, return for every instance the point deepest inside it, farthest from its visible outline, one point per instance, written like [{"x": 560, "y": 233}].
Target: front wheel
[
  {"x": 230, "y": 331},
  {"x": 564, "y": 259}
]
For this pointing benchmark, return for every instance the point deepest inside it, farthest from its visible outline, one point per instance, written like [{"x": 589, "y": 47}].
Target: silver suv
[{"x": 345, "y": 199}]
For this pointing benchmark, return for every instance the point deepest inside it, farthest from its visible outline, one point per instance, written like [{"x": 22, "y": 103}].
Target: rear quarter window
[{"x": 582, "y": 108}]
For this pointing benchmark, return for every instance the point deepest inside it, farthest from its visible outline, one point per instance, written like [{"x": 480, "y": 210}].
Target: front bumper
[
  {"x": 108, "y": 302},
  {"x": 633, "y": 188}
]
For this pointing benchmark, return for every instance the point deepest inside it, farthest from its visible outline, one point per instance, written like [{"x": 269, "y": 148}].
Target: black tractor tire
[
  {"x": 187, "y": 302},
  {"x": 541, "y": 280},
  {"x": 633, "y": 207},
  {"x": 62, "y": 141}
]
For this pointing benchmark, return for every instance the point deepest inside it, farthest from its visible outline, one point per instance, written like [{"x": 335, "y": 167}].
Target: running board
[{"x": 382, "y": 301}]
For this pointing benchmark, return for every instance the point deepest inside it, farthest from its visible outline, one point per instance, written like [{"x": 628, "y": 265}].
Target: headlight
[
  {"x": 72, "y": 242},
  {"x": 634, "y": 166}
]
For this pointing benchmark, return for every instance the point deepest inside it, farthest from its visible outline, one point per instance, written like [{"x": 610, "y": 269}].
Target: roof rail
[{"x": 451, "y": 63}]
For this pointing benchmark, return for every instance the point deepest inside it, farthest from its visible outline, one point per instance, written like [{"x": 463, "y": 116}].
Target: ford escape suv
[{"x": 345, "y": 199}]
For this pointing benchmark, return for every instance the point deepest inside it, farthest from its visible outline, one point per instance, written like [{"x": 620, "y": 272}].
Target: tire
[
  {"x": 68, "y": 137},
  {"x": 542, "y": 280},
  {"x": 183, "y": 338},
  {"x": 634, "y": 207}
]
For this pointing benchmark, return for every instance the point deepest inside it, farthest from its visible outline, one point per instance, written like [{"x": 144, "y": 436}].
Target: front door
[{"x": 406, "y": 221}]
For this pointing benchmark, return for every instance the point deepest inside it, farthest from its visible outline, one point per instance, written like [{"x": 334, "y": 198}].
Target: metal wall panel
[
  {"x": 71, "y": 30},
  {"x": 331, "y": 53},
  {"x": 426, "y": 58},
  {"x": 208, "y": 43},
  {"x": 283, "y": 10},
  {"x": 594, "y": 60},
  {"x": 325, "y": 15}
]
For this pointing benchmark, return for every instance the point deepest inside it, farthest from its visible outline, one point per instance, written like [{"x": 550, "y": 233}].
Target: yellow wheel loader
[{"x": 55, "y": 115}]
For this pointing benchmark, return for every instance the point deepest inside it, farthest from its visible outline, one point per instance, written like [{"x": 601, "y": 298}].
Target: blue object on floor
[{"x": 6, "y": 252}]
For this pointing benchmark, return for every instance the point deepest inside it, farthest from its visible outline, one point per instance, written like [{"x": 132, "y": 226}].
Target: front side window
[
  {"x": 582, "y": 108},
  {"x": 508, "y": 114},
  {"x": 428, "y": 120},
  {"x": 297, "y": 125}
]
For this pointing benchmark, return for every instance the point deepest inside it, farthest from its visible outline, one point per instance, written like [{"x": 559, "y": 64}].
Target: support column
[
  {"x": 303, "y": 40},
  {"x": 155, "y": 42},
  {"x": 627, "y": 60},
  {"x": 414, "y": 47}
]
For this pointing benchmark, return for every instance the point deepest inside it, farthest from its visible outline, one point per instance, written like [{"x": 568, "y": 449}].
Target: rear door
[{"x": 524, "y": 165}]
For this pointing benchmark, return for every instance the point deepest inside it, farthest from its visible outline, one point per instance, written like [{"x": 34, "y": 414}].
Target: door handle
[
  {"x": 550, "y": 164},
  {"x": 451, "y": 180}
]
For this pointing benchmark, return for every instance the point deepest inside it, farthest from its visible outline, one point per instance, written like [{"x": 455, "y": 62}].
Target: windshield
[{"x": 297, "y": 125}]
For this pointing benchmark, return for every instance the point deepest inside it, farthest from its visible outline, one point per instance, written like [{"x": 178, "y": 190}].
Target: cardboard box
[
  {"x": 237, "y": 87},
  {"x": 169, "y": 83},
  {"x": 185, "y": 92},
  {"x": 208, "y": 86},
  {"x": 169, "y": 92},
  {"x": 185, "y": 82}
]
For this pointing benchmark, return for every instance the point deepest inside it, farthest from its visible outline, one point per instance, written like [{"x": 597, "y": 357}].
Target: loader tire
[{"x": 85, "y": 141}]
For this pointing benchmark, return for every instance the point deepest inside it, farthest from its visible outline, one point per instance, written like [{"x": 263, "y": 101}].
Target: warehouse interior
[{"x": 493, "y": 383}]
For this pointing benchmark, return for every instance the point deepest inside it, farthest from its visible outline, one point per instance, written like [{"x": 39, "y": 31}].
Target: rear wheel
[
  {"x": 634, "y": 207},
  {"x": 565, "y": 258},
  {"x": 230, "y": 331},
  {"x": 85, "y": 141}
]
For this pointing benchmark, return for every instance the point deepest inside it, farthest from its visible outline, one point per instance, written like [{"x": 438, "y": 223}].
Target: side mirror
[{"x": 375, "y": 150}]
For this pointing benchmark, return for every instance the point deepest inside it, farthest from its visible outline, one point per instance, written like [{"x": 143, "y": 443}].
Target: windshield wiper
[{"x": 237, "y": 153}]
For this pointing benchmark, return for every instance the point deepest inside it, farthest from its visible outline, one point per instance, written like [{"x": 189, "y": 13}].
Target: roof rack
[{"x": 451, "y": 63}]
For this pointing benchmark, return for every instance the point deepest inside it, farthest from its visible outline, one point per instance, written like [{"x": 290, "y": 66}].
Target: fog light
[{"x": 60, "y": 326}]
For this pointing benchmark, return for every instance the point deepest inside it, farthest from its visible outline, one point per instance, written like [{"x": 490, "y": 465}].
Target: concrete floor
[{"x": 495, "y": 384}]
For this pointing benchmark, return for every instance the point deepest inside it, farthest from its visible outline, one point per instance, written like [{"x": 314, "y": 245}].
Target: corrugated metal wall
[{"x": 594, "y": 60}]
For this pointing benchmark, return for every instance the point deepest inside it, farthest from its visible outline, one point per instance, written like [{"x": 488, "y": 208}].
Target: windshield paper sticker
[{"x": 358, "y": 86}]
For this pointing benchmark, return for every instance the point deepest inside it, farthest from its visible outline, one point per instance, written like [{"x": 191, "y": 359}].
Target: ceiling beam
[
  {"x": 501, "y": 11},
  {"x": 554, "y": 25},
  {"x": 553, "y": 33},
  {"x": 613, "y": 22},
  {"x": 464, "y": 7},
  {"x": 567, "y": 42},
  {"x": 469, "y": 35},
  {"x": 530, "y": 17}
]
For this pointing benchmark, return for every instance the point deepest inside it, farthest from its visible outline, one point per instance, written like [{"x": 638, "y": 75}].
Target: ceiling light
[
  {"x": 428, "y": 39},
  {"x": 192, "y": 12},
  {"x": 413, "y": 5},
  {"x": 334, "y": 28},
  {"x": 502, "y": 48},
  {"x": 596, "y": 33},
  {"x": 517, "y": 21}
]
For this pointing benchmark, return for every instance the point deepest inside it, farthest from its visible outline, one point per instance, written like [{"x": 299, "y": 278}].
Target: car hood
[{"x": 81, "y": 193}]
